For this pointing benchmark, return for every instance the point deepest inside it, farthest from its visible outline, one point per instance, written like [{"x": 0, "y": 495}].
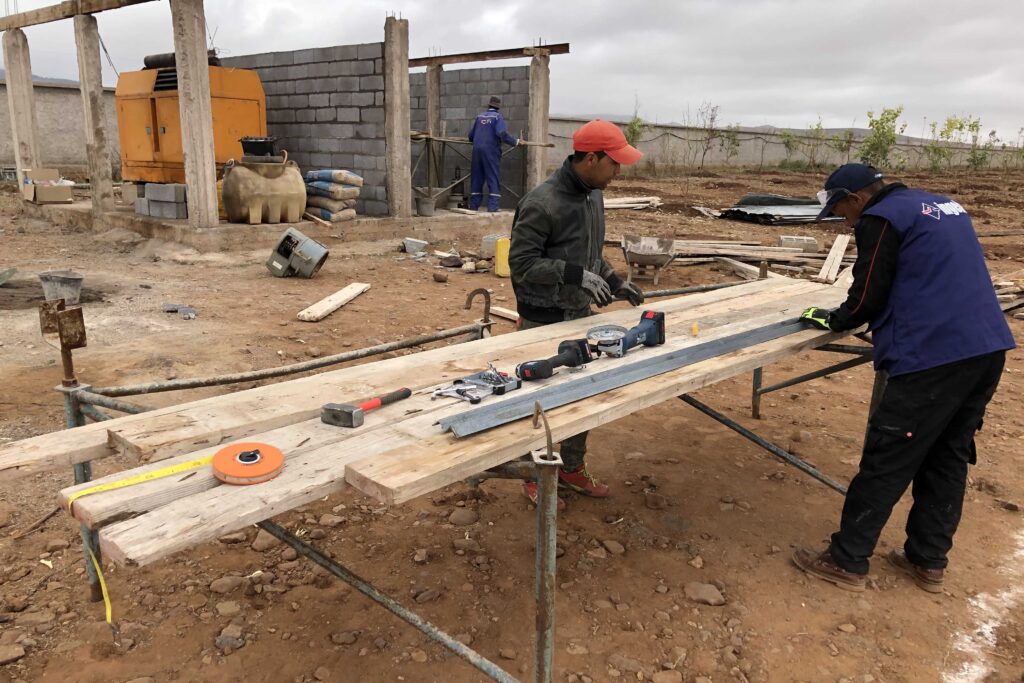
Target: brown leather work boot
[
  {"x": 822, "y": 566},
  {"x": 926, "y": 579}
]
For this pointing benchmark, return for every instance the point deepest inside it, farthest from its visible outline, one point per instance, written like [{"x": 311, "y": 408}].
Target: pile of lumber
[
  {"x": 400, "y": 452},
  {"x": 1010, "y": 292},
  {"x": 632, "y": 203}
]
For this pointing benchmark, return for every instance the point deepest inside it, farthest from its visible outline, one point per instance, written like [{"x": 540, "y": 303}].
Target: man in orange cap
[{"x": 556, "y": 258}]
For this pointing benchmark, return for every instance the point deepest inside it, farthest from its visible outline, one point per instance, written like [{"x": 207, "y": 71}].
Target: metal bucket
[{"x": 61, "y": 284}]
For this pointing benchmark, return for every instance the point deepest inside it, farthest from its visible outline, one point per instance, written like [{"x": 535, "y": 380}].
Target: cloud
[{"x": 781, "y": 62}]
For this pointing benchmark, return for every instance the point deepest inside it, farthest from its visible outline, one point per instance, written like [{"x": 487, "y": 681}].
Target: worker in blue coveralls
[{"x": 489, "y": 130}]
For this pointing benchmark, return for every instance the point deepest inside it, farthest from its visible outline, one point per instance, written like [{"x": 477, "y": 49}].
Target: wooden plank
[
  {"x": 745, "y": 270},
  {"x": 102, "y": 507},
  {"x": 312, "y": 474},
  {"x": 323, "y": 308},
  {"x": 489, "y": 55},
  {"x": 207, "y": 422},
  {"x": 833, "y": 262},
  {"x": 505, "y": 313}
]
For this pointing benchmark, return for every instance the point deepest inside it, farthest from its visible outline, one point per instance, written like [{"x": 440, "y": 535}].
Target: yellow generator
[{"x": 148, "y": 119}]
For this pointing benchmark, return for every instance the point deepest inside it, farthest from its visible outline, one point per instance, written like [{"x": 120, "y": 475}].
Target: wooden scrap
[
  {"x": 834, "y": 261},
  {"x": 504, "y": 313},
  {"x": 319, "y": 221},
  {"x": 323, "y": 308},
  {"x": 745, "y": 270}
]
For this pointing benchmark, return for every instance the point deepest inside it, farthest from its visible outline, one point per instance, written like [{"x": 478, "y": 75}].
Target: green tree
[
  {"x": 636, "y": 126},
  {"x": 843, "y": 144},
  {"x": 729, "y": 144},
  {"x": 878, "y": 143},
  {"x": 813, "y": 142},
  {"x": 791, "y": 143},
  {"x": 707, "y": 121}
]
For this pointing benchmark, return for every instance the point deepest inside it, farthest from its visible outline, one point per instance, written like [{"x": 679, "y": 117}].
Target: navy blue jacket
[
  {"x": 489, "y": 130},
  {"x": 922, "y": 284}
]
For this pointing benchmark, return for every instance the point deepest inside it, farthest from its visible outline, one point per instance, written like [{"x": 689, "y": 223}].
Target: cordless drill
[{"x": 572, "y": 353}]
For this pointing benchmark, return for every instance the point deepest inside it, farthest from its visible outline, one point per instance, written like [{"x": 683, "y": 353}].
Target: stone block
[
  {"x": 171, "y": 210},
  {"x": 360, "y": 99},
  {"x": 142, "y": 206},
  {"x": 370, "y": 83},
  {"x": 304, "y": 115},
  {"x": 298, "y": 101},
  {"x": 344, "y": 52},
  {"x": 364, "y": 68},
  {"x": 165, "y": 192},
  {"x": 370, "y": 50},
  {"x": 298, "y": 71},
  {"x": 347, "y": 113},
  {"x": 805, "y": 242},
  {"x": 282, "y": 58},
  {"x": 346, "y": 84},
  {"x": 372, "y": 115},
  {"x": 326, "y": 114}
]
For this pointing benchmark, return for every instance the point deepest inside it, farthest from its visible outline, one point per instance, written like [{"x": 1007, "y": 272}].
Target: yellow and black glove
[{"x": 817, "y": 317}]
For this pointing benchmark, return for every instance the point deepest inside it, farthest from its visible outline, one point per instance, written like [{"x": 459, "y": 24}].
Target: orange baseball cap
[{"x": 605, "y": 136}]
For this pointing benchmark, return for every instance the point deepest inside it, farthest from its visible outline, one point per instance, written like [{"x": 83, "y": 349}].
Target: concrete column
[
  {"x": 537, "y": 119},
  {"x": 22, "y": 101},
  {"x": 434, "y": 99},
  {"x": 90, "y": 77},
  {"x": 397, "y": 125},
  {"x": 196, "y": 111}
]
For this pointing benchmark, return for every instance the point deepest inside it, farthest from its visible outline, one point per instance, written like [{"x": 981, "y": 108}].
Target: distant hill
[{"x": 42, "y": 80}]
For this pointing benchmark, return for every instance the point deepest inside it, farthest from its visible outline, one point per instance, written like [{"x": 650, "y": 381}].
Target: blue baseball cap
[{"x": 844, "y": 181}]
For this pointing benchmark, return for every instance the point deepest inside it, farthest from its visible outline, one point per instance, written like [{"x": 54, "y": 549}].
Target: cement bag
[
  {"x": 332, "y": 205},
  {"x": 334, "y": 176},
  {"x": 333, "y": 217},
  {"x": 322, "y": 188}
]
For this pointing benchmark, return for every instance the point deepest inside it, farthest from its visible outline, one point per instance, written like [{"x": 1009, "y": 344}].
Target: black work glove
[
  {"x": 597, "y": 288},
  {"x": 817, "y": 317},
  {"x": 631, "y": 293}
]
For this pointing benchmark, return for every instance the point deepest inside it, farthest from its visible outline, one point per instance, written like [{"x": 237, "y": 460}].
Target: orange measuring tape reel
[{"x": 247, "y": 463}]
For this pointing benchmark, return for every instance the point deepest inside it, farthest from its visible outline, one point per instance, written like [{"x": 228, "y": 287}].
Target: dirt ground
[{"x": 733, "y": 515}]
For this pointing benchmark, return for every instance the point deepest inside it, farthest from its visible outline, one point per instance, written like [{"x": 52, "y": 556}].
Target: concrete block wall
[
  {"x": 326, "y": 106},
  {"x": 464, "y": 94}
]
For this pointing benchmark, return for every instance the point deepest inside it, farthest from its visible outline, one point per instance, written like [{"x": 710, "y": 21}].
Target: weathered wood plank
[
  {"x": 323, "y": 308},
  {"x": 834, "y": 261}
]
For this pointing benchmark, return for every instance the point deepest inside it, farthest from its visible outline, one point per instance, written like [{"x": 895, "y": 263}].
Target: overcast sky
[{"x": 781, "y": 62}]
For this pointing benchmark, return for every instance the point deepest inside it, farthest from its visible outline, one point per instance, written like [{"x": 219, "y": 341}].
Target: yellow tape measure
[{"x": 141, "y": 478}]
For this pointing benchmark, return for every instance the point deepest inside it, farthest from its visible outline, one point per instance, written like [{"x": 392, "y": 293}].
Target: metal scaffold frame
[{"x": 64, "y": 329}]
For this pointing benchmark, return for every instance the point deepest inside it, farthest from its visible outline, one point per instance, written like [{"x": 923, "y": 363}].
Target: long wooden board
[
  {"x": 834, "y": 260},
  {"x": 323, "y": 308},
  {"x": 313, "y": 473},
  {"x": 207, "y": 422}
]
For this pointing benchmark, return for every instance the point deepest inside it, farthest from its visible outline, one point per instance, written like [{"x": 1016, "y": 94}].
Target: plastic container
[
  {"x": 487, "y": 243},
  {"x": 61, "y": 284},
  {"x": 501, "y": 247}
]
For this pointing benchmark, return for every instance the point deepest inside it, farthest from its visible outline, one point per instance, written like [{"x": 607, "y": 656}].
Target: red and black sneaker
[
  {"x": 580, "y": 481},
  {"x": 530, "y": 489}
]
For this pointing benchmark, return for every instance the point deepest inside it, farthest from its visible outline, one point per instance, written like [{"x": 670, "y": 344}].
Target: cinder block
[
  {"x": 341, "y": 68},
  {"x": 342, "y": 131},
  {"x": 417, "y": 79},
  {"x": 341, "y": 161},
  {"x": 320, "y": 100},
  {"x": 283, "y": 115},
  {"x": 369, "y": 131},
  {"x": 341, "y": 99},
  {"x": 512, "y": 72},
  {"x": 304, "y": 115},
  {"x": 129, "y": 192},
  {"x": 374, "y": 147},
  {"x": 371, "y": 115},
  {"x": 261, "y": 60},
  {"x": 370, "y": 83},
  {"x": 374, "y": 177},
  {"x": 498, "y": 87},
  {"x": 478, "y": 88},
  {"x": 364, "y": 162},
  {"x": 283, "y": 58},
  {"x": 378, "y": 66},
  {"x": 370, "y": 50},
  {"x": 306, "y": 86},
  {"x": 142, "y": 206},
  {"x": 350, "y": 145},
  {"x": 323, "y": 85},
  {"x": 319, "y": 70},
  {"x": 329, "y": 145},
  {"x": 454, "y": 88},
  {"x": 805, "y": 242},
  {"x": 347, "y": 113},
  {"x": 298, "y": 101},
  {"x": 320, "y": 159},
  {"x": 325, "y": 114},
  {"x": 360, "y": 99},
  {"x": 158, "y": 209},
  {"x": 347, "y": 84},
  {"x": 366, "y": 67},
  {"x": 307, "y": 145},
  {"x": 340, "y": 52},
  {"x": 378, "y": 99},
  {"x": 165, "y": 192},
  {"x": 372, "y": 207},
  {"x": 298, "y": 71},
  {"x": 454, "y": 113}
]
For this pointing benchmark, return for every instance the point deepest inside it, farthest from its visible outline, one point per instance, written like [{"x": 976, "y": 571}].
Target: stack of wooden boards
[
  {"x": 635, "y": 203},
  {"x": 399, "y": 453}
]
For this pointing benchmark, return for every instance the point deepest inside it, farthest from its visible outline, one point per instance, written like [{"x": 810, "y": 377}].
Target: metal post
[
  {"x": 548, "y": 463},
  {"x": 73, "y": 417},
  {"x": 755, "y": 394}
]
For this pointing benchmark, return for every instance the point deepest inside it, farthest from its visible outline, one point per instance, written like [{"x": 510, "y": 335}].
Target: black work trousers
[
  {"x": 574, "y": 449},
  {"x": 922, "y": 433}
]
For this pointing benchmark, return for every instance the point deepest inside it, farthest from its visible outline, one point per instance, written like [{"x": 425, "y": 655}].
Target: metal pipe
[
  {"x": 848, "y": 348},
  {"x": 73, "y": 417},
  {"x": 755, "y": 394},
  {"x": 516, "y": 469},
  {"x": 492, "y": 670},
  {"x": 547, "y": 464},
  {"x": 267, "y": 373},
  {"x": 804, "y": 467},
  {"x": 94, "y": 413},
  {"x": 655, "y": 293},
  {"x": 93, "y": 398},
  {"x": 824, "y": 372}
]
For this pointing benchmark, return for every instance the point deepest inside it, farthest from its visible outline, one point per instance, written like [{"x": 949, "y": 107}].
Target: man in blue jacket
[
  {"x": 921, "y": 284},
  {"x": 489, "y": 130}
]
